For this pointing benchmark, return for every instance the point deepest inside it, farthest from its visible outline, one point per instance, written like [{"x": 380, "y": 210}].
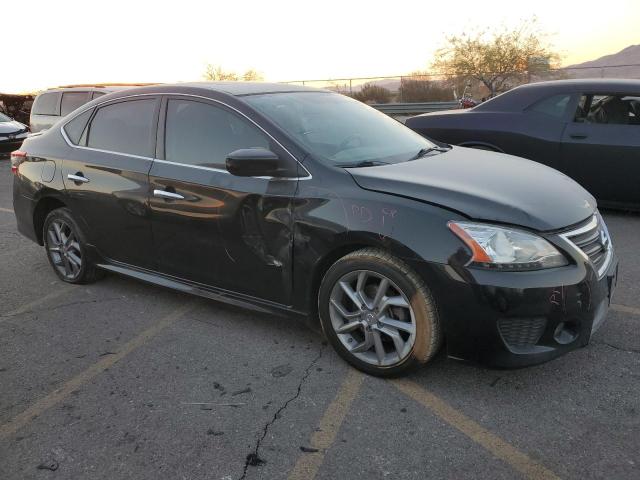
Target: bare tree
[
  {"x": 498, "y": 58},
  {"x": 216, "y": 73},
  {"x": 252, "y": 75}
]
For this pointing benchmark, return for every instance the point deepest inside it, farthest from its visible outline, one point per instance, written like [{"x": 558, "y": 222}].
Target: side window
[
  {"x": 124, "y": 127},
  {"x": 554, "y": 106},
  {"x": 72, "y": 100},
  {"x": 47, "y": 104},
  {"x": 198, "y": 133},
  {"x": 609, "y": 109},
  {"x": 75, "y": 128}
]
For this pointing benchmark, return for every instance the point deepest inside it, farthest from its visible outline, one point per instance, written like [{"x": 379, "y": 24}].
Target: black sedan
[
  {"x": 588, "y": 129},
  {"x": 306, "y": 202},
  {"x": 12, "y": 134}
]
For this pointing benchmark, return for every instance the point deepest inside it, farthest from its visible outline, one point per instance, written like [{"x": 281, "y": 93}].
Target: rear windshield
[
  {"x": 47, "y": 104},
  {"x": 338, "y": 129}
]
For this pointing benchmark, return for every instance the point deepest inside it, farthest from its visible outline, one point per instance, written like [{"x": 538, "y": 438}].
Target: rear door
[
  {"x": 210, "y": 227},
  {"x": 601, "y": 147},
  {"x": 106, "y": 176}
]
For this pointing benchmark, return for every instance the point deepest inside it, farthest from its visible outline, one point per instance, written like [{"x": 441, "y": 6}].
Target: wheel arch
[
  {"x": 45, "y": 205},
  {"x": 481, "y": 145},
  {"x": 358, "y": 241}
]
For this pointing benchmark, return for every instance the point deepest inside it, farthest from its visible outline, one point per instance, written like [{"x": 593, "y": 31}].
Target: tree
[
  {"x": 498, "y": 58},
  {"x": 252, "y": 75},
  {"x": 372, "y": 93},
  {"x": 215, "y": 73}
]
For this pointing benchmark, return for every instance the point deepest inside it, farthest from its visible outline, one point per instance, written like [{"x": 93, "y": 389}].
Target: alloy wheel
[
  {"x": 64, "y": 249},
  {"x": 372, "y": 318}
]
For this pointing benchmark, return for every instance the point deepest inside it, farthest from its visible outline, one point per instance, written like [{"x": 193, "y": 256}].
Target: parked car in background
[
  {"x": 12, "y": 134},
  {"x": 55, "y": 103},
  {"x": 307, "y": 202},
  {"x": 587, "y": 129}
]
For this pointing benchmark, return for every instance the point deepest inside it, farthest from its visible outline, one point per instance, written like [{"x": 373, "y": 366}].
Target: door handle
[
  {"x": 167, "y": 195},
  {"x": 78, "y": 177},
  {"x": 579, "y": 136}
]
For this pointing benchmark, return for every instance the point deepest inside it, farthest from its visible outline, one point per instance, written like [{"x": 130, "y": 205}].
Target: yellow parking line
[
  {"x": 8, "y": 210},
  {"x": 61, "y": 393},
  {"x": 625, "y": 309},
  {"x": 28, "y": 306},
  {"x": 521, "y": 462},
  {"x": 308, "y": 464}
]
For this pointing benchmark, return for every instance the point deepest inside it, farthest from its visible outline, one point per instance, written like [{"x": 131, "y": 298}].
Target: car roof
[
  {"x": 523, "y": 96},
  {"x": 88, "y": 88},
  {"x": 236, "y": 89}
]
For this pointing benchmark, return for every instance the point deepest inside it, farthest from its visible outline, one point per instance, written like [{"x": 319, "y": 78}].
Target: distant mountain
[{"x": 602, "y": 67}]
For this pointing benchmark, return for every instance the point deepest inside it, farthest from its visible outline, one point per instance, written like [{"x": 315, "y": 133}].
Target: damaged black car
[{"x": 301, "y": 201}]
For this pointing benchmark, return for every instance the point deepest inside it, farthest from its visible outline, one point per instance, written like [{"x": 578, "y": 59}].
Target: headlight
[{"x": 506, "y": 248}]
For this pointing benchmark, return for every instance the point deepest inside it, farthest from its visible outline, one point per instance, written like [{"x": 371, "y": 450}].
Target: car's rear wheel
[
  {"x": 378, "y": 314},
  {"x": 66, "y": 248}
]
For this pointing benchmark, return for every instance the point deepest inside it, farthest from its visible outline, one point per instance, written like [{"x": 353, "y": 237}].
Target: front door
[
  {"x": 210, "y": 227},
  {"x": 601, "y": 147}
]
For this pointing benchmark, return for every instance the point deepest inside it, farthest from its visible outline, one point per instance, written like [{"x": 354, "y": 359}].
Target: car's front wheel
[
  {"x": 378, "y": 314},
  {"x": 66, "y": 248}
]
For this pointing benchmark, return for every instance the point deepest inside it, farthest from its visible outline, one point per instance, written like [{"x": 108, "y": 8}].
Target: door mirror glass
[{"x": 253, "y": 162}]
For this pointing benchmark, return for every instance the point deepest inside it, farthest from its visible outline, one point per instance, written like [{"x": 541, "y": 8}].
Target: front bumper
[{"x": 515, "y": 319}]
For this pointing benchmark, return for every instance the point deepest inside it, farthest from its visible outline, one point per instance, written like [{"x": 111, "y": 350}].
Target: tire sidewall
[{"x": 420, "y": 351}]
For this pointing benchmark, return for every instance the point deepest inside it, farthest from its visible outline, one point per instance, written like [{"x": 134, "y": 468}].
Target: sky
[{"x": 57, "y": 43}]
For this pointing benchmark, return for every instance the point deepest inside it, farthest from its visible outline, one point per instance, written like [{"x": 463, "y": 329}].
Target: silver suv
[{"x": 56, "y": 103}]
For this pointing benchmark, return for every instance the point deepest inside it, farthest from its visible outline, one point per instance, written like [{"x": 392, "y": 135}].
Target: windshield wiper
[
  {"x": 364, "y": 163},
  {"x": 427, "y": 151}
]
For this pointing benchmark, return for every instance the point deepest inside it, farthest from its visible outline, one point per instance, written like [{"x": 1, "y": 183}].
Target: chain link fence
[{"x": 433, "y": 87}]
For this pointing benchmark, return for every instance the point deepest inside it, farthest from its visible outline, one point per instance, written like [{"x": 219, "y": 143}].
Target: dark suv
[{"x": 302, "y": 201}]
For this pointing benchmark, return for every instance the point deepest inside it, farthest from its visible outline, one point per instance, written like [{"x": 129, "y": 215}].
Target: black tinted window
[
  {"x": 75, "y": 127},
  {"x": 201, "y": 134},
  {"x": 553, "y": 106},
  {"x": 124, "y": 127},
  {"x": 72, "y": 100},
  {"x": 47, "y": 104}
]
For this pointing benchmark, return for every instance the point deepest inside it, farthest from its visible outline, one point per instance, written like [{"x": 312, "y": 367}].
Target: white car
[{"x": 12, "y": 134}]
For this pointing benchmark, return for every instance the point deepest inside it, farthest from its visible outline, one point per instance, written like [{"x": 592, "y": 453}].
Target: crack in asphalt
[
  {"x": 253, "y": 457},
  {"x": 62, "y": 305},
  {"x": 616, "y": 347}
]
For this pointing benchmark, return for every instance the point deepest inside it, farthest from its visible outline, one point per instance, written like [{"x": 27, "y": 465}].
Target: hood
[
  {"x": 485, "y": 186},
  {"x": 11, "y": 127}
]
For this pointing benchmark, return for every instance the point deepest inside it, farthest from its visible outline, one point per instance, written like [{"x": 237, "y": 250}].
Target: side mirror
[{"x": 253, "y": 162}]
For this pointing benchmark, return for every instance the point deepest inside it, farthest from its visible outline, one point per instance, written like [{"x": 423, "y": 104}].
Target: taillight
[{"x": 17, "y": 158}]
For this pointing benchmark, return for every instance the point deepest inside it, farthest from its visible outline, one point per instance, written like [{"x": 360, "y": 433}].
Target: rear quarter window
[
  {"x": 47, "y": 104},
  {"x": 75, "y": 128},
  {"x": 554, "y": 106}
]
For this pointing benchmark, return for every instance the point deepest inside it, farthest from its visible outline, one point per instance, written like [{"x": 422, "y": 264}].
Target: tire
[
  {"x": 65, "y": 244},
  {"x": 405, "y": 309}
]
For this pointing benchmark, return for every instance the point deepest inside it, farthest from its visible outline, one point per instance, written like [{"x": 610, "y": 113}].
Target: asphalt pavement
[{"x": 123, "y": 380}]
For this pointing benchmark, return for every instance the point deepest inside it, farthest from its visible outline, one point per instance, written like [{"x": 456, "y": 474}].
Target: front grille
[
  {"x": 520, "y": 333},
  {"x": 592, "y": 240}
]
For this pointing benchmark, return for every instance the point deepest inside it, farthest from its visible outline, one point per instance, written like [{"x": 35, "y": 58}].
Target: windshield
[
  {"x": 338, "y": 129},
  {"x": 4, "y": 118}
]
